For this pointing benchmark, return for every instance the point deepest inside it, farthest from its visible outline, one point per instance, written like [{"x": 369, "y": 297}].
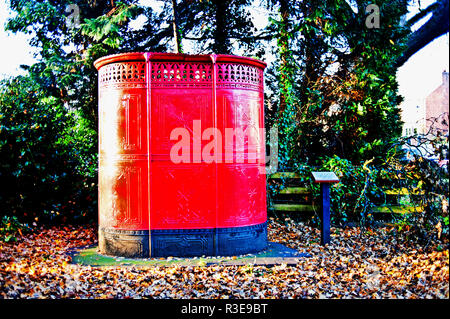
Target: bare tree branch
[
  {"x": 433, "y": 28},
  {"x": 422, "y": 14}
]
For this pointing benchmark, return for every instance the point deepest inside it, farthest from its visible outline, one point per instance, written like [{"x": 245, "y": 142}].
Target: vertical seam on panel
[
  {"x": 214, "y": 105},
  {"x": 149, "y": 144}
]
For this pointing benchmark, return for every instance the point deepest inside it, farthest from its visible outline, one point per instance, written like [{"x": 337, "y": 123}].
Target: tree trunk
[
  {"x": 176, "y": 28},
  {"x": 433, "y": 28},
  {"x": 221, "y": 41}
]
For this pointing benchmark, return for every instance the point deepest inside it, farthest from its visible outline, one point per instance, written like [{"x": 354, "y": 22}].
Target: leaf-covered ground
[{"x": 357, "y": 264}]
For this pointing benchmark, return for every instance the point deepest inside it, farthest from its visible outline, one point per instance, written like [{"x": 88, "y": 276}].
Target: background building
[
  {"x": 427, "y": 115},
  {"x": 436, "y": 108}
]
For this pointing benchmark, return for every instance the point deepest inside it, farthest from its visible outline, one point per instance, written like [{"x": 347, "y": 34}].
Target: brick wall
[{"x": 437, "y": 105}]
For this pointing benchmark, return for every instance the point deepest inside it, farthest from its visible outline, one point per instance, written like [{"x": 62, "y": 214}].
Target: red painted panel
[
  {"x": 123, "y": 155},
  {"x": 177, "y": 108},
  {"x": 183, "y": 194},
  {"x": 242, "y": 196},
  {"x": 242, "y": 199}
]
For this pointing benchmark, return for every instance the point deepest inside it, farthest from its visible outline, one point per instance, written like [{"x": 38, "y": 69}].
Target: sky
[
  {"x": 14, "y": 49},
  {"x": 418, "y": 77},
  {"x": 422, "y": 73}
]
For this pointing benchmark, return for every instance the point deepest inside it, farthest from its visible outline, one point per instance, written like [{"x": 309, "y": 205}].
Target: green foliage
[
  {"x": 106, "y": 31},
  {"x": 334, "y": 98},
  {"x": 48, "y": 168},
  {"x": 420, "y": 184},
  {"x": 49, "y": 117},
  {"x": 11, "y": 228},
  {"x": 336, "y": 81},
  {"x": 424, "y": 173},
  {"x": 214, "y": 24},
  {"x": 354, "y": 196},
  {"x": 331, "y": 91},
  {"x": 286, "y": 67}
]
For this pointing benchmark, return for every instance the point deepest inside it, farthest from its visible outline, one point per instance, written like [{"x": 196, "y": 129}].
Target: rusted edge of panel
[
  {"x": 240, "y": 59},
  {"x": 121, "y": 57},
  {"x": 124, "y": 243}
]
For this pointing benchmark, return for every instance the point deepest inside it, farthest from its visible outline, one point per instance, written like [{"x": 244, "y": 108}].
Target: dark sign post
[{"x": 325, "y": 179}]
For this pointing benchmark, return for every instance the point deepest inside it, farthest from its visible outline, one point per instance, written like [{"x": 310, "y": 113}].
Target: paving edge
[{"x": 275, "y": 254}]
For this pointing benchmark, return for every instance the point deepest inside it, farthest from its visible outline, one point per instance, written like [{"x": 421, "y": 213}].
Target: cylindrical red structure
[{"x": 176, "y": 178}]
